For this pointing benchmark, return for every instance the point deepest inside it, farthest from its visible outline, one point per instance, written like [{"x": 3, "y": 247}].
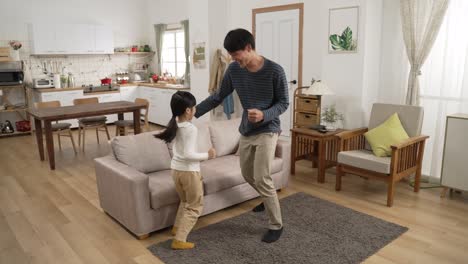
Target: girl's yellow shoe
[{"x": 176, "y": 244}]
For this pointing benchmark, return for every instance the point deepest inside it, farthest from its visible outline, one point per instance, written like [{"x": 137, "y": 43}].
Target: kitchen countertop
[
  {"x": 158, "y": 85},
  {"x": 152, "y": 85}
]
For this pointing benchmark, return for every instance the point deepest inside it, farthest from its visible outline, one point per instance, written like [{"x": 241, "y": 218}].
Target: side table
[{"x": 323, "y": 147}]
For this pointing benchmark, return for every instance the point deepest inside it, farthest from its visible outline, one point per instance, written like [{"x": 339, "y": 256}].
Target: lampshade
[{"x": 318, "y": 88}]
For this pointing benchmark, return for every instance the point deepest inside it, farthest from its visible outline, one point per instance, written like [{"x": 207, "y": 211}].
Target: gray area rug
[{"x": 315, "y": 231}]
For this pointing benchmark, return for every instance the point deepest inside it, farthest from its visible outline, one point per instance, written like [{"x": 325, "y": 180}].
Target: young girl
[{"x": 185, "y": 166}]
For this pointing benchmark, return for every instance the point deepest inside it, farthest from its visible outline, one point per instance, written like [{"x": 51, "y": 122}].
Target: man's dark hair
[{"x": 238, "y": 39}]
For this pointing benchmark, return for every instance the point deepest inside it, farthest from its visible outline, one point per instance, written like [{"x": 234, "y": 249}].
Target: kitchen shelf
[
  {"x": 135, "y": 53},
  {"x": 16, "y": 133},
  {"x": 14, "y": 110}
]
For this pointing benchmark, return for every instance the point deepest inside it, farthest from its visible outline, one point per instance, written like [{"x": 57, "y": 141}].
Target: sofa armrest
[
  {"x": 123, "y": 193},
  {"x": 283, "y": 151}
]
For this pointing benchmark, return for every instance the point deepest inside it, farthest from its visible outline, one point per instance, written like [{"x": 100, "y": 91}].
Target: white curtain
[
  {"x": 421, "y": 20},
  {"x": 444, "y": 79},
  {"x": 444, "y": 82}
]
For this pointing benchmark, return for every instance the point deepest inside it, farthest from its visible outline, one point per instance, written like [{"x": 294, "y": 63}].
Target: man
[{"x": 263, "y": 91}]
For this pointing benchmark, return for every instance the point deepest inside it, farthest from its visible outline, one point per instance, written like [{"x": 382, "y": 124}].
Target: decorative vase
[
  {"x": 331, "y": 126},
  {"x": 14, "y": 55}
]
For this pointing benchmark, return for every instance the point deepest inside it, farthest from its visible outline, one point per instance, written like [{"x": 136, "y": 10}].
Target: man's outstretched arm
[{"x": 215, "y": 99}]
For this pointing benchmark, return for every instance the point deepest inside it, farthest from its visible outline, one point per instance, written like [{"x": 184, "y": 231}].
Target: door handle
[{"x": 293, "y": 82}]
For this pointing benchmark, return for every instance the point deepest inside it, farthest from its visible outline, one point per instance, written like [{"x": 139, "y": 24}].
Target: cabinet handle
[
  {"x": 307, "y": 101},
  {"x": 307, "y": 116}
]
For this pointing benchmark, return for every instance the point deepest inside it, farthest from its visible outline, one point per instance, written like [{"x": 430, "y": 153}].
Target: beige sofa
[{"x": 136, "y": 188}]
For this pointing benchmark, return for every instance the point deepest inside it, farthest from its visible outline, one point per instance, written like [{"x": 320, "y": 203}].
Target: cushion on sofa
[
  {"x": 224, "y": 172},
  {"x": 225, "y": 136},
  {"x": 203, "y": 137},
  {"x": 143, "y": 152},
  {"x": 162, "y": 189}
]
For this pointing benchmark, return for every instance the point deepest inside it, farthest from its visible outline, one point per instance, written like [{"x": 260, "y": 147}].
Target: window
[
  {"x": 173, "y": 53},
  {"x": 444, "y": 82}
]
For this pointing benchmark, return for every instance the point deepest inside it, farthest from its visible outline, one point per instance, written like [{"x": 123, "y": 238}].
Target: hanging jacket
[{"x": 218, "y": 67}]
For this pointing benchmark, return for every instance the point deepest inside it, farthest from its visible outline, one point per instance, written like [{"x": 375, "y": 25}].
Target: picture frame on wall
[
  {"x": 199, "y": 58},
  {"x": 343, "y": 28}
]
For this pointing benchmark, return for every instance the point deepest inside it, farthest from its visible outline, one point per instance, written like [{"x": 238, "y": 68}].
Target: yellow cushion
[{"x": 386, "y": 134}]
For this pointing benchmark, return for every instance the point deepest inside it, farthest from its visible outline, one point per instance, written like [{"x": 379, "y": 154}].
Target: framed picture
[
  {"x": 343, "y": 24},
  {"x": 199, "y": 60}
]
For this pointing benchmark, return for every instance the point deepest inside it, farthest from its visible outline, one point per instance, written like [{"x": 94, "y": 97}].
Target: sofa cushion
[
  {"x": 225, "y": 136},
  {"x": 143, "y": 152},
  {"x": 224, "y": 172},
  {"x": 365, "y": 159},
  {"x": 162, "y": 189},
  {"x": 203, "y": 137}
]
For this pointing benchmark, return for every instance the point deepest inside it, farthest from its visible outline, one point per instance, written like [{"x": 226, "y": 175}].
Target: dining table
[{"x": 44, "y": 117}]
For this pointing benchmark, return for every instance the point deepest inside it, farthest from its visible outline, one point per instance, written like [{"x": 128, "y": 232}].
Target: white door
[{"x": 277, "y": 38}]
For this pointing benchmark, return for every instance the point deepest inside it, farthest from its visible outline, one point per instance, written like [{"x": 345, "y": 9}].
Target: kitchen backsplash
[{"x": 86, "y": 69}]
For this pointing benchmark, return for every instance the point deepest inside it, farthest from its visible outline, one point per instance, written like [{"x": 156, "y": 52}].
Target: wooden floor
[{"x": 54, "y": 216}]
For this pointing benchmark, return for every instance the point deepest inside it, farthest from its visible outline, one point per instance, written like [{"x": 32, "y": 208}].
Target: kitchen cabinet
[
  {"x": 104, "y": 98},
  {"x": 160, "y": 104},
  {"x": 50, "y": 39},
  {"x": 129, "y": 93},
  {"x": 65, "y": 97},
  {"x": 453, "y": 174},
  {"x": 153, "y": 96},
  {"x": 164, "y": 106},
  {"x": 103, "y": 40}
]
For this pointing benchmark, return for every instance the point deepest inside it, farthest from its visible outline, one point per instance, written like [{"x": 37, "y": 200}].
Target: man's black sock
[
  {"x": 272, "y": 235},
  {"x": 259, "y": 208}
]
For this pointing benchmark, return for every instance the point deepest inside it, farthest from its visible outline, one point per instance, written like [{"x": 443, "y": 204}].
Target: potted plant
[
  {"x": 330, "y": 116},
  {"x": 15, "y": 45}
]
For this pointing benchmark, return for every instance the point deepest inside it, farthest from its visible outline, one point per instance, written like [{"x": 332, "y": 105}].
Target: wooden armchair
[{"x": 356, "y": 156}]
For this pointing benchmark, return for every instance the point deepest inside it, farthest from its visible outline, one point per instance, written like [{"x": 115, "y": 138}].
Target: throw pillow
[
  {"x": 143, "y": 152},
  {"x": 388, "y": 133},
  {"x": 225, "y": 136}
]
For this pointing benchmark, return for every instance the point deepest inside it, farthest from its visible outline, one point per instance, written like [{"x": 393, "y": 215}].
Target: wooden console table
[{"x": 322, "y": 147}]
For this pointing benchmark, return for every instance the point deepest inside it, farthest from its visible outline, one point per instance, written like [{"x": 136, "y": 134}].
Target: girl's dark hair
[
  {"x": 238, "y": 39},
  {"x": 180, "y": 101}
]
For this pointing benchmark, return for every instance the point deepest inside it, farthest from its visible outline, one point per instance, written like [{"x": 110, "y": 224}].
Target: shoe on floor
[
  {"x": 174, "y": 230},
  {"x": 176, "y": 244},
  {"x": 259, "y": 208},
  {"x": 272, "y": 235}
]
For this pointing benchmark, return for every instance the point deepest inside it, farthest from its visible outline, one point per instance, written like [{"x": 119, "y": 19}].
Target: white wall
[
  {"x": 394, "y": 66},
  {"x": 353, "y": 77},
  {"x": 127, "y": 17},
  {"x": 207, "y": 23},
  {"x": 372, "y": 46}
]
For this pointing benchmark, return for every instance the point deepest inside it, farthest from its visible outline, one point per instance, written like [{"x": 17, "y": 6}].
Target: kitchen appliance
[
  {"x": 102, "y": 88},
  {"x": 71, "y": 80},
  {"x": 137, "y": 77},
  {"x": 106, "y": 81},
  {"x": 7, "y": 128},
  {"x": 11, "y": 73},
  {"x": 43, "y": 83}
]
